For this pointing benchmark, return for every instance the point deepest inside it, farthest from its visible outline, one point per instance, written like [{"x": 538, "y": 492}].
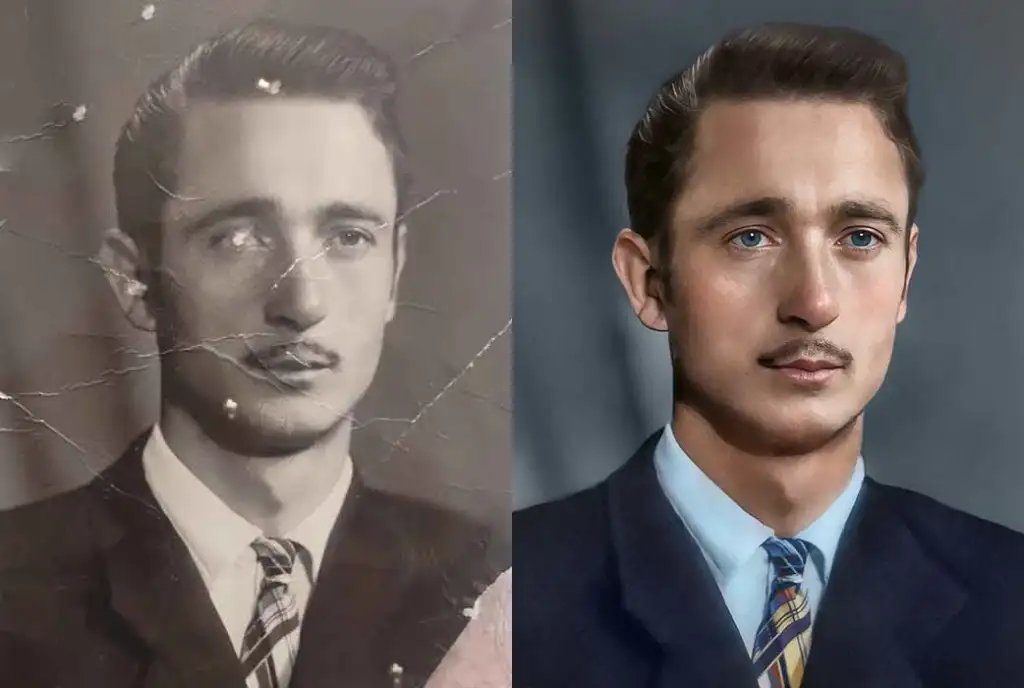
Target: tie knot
[
  {"x": 276, "y": 556},
  {"x": 788, "y": 556}
]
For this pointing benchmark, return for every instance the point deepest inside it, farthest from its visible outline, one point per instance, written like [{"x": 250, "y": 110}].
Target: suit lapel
[
  {"x": 886, "y": 599},
  {"x": 358, "y": 589},
  {"x": 155, "y": 587},
  {"x": 667, "y": 585}
]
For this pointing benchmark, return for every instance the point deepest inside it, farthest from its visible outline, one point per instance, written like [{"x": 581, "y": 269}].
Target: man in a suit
[
  {"x": 772, "y": 190},
  {"x": 262, "y": 193}
]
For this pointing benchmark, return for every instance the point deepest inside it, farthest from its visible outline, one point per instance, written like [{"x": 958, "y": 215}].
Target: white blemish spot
[
  {"x": 148, "y": 11},
  {"x": 472, "y": 612},
  {"x": 271, "y": 87},
  {"x": 135, "y": 288}
]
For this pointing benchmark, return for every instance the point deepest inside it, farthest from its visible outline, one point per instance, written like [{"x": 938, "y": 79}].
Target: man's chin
[
  {"x": 767, "y": 423},
  {"x": 272, "y": 440},
  {"x": 784, "y": 430},
  {"x": 794, "y": 433},
  {"x": 273, "y": 428}
]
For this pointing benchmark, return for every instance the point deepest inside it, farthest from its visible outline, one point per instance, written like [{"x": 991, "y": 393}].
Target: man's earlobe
[
  {"x": 912, "y": 238},
  {"x": 631, "y": 258},
  {"x": 121, "y": 261},
  {"x": 400, "y": 239}
]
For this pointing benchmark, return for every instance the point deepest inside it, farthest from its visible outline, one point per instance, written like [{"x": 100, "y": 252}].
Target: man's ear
[
  {"x": 911, "y": 263},
  {"x": 400, "y": 239},
  {"x": 121, "y": 261},
  {"x": 631, "y": 257}
]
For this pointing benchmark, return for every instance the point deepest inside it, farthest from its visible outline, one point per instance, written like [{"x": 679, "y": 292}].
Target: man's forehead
[
  {"x": 302, "y": 152},
  {"x": 210, "y": 115},
  {"x": 814, "y": 154},
  {"x": 752, "y": 116}
]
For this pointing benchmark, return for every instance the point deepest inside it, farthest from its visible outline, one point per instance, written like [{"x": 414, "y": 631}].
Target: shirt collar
[
  {"x": 826, "y": 531},
  {"x": 313, "y": 532},
  {"x": 215, "y": 534},
  {"x": 726, "y": 533}
]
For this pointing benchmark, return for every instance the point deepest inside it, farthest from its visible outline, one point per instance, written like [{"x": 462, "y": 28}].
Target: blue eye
[
  {"x": 749, "y": 239},
  {"x": 861, "y": 239}
]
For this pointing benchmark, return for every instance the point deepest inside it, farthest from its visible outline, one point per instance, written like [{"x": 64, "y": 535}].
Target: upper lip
[{"x": 809, "y": 364}]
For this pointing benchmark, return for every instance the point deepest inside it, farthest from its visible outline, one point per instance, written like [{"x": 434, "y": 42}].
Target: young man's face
[
  {"x": 278, "y": 268},
  {"x": 789, "y": 269}
]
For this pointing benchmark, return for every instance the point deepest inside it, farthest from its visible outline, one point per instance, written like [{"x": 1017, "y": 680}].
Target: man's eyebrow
[
  {"x": 766, "y": 206},
  {"x": 342, "y": 210},
  {"x": 864, "y": 209},
  {"x": 248, "y": 207},
  {"x": 777, "y": 206}
]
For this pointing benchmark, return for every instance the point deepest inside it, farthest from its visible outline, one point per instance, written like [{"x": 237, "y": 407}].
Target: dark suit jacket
[
  {"x": 99, "y": 591},
  {"x": 613, "y": 592}
]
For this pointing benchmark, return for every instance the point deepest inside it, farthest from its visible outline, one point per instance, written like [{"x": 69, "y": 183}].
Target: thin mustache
[
  {"x": 256, "y": 357},
  {"x": 802, "y": 348}
]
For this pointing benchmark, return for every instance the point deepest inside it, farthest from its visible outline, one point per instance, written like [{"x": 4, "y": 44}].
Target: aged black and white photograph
[{"x": 255, "y": 389}]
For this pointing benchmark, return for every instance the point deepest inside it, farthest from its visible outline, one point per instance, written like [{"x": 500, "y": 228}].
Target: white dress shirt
[
  {"x": 730, "y": 538},
  {"x": 219, "y": 539}
]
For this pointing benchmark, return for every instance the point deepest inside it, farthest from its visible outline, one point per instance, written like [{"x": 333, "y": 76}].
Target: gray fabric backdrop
[{"x": 591, "y": 383}]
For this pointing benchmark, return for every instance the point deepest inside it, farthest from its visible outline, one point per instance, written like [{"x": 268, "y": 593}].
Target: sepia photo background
[
  {"x": 77, "y": 383},
  {"x": 591, "y": 383}
]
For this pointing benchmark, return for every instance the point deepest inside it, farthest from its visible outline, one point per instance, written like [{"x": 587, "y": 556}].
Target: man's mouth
[
  {"x": 810, "y": 365},
  {"x": 807, "y": 355},
  {"x": 293, "y": 358}
]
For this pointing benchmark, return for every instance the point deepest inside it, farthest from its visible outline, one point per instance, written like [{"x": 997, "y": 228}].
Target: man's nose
[
  {"x": 810, "y": 298},
  {"x": 296, "y": 300}
]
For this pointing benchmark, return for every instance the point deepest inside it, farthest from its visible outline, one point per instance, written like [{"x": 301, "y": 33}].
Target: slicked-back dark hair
[
  {"x": 768, "y": 61},
  {"x": 266, "y": 58}
]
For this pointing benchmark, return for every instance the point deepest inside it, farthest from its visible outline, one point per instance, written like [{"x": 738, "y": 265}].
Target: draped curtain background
[{"x": 591, "y": 383}]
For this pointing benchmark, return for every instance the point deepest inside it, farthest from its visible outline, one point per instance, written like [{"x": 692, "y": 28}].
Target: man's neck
[
  {"x": 273, "y": 493},
  {"x": 786, "y": 493}
]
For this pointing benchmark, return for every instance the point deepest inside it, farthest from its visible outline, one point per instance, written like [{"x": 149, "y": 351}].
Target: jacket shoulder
[
  {"x": 563, "y": 549},
  {"x": 970, "y": 545},
  {"x": 548, "y": 527},
  {"x": 440, "y": 536},
  {"x": 580, "y": 524},
  {"x": 47, "y": 532}
]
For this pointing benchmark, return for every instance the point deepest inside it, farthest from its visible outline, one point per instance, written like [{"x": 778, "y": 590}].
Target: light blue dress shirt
[{"x": 730, "y": 538}]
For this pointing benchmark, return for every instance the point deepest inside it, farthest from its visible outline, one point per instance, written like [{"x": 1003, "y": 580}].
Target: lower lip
[
  {"x": 294, "y": 377},
  {"x": 809, "y": 377}
]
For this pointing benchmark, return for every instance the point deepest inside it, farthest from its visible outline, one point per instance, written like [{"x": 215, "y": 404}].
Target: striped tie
[
  {"x": 271, "y": 640},
  {"x": 784, "y": 638}
]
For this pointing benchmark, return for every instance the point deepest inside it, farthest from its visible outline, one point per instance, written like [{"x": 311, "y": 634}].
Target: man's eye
[
  {"x": 237, "y": 237},
  {"x": 862, "y": 239},
  {"x": 350, "y": 239},
  {"x": 749, "y": 239}
]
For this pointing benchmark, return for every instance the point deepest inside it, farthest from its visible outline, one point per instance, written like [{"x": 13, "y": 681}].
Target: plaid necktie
[
  {"x": 271, "y": 640},
  {"x": 784, "y": 638}
]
